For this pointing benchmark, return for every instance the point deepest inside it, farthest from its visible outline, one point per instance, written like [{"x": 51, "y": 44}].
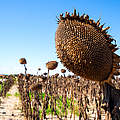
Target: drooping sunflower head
[
  {"x": 51, "y": 65},
  {"x": 84, "y": 47}
]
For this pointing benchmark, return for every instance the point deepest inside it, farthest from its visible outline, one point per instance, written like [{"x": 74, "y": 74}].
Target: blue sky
[{"x": 27, "y": 29}]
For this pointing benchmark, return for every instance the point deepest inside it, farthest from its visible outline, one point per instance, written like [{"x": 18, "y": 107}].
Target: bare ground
[{"x": 10, "y": 107}]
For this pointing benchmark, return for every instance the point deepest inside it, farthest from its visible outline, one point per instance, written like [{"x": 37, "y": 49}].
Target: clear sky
[{"x": 27, "y": 29}]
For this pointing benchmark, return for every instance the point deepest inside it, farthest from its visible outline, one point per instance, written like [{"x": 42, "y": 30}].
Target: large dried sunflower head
[{"x": 84, "y": 47}]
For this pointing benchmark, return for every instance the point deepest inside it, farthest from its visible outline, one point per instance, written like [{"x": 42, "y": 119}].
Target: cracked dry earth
[{"x": 10, "y": 107}]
